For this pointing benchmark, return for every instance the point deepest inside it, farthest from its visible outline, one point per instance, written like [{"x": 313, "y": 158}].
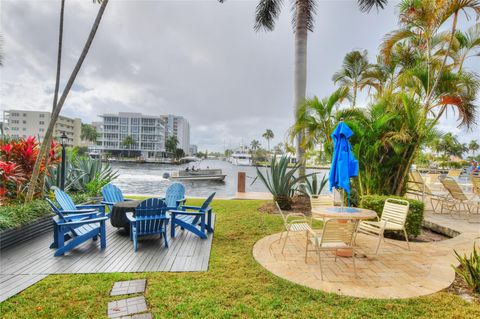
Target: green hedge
[
  {"x": 415, "y": 214},
  {"x": 16, "y": 214}
]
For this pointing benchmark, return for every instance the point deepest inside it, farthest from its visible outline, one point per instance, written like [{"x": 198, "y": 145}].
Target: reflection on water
[{"x": 147, "y": 179}]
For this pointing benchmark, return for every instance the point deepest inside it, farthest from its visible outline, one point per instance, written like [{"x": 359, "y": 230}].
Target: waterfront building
[
  {"x": 179, "y": 127},
  {"x": 193, "y": 149},
  {"x": 23, "y": 123},
  {"x": 131, "y": 134}
]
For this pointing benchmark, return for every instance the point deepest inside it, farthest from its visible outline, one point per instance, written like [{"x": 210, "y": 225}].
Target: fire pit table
[{"x": 119, "y": 213}]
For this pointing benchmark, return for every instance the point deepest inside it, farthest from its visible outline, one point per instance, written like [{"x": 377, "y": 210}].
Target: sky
[{"x": 198, "y": 59}]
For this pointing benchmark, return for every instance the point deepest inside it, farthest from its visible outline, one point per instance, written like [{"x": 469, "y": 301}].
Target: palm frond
[{"x": 267, "y": 12}]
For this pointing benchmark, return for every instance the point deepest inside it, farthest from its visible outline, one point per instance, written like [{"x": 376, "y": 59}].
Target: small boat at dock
[{"x": 199, "y": 175}]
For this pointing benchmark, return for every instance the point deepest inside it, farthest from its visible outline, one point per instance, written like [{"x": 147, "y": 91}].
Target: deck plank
[{"x": 23, "y": 265}]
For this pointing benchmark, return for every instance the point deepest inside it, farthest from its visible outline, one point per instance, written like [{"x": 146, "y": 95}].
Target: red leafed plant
[{"x": 17, "y": 159}]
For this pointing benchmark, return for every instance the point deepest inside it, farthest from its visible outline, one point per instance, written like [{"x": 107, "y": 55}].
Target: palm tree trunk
[
  {"x": 301, "y": 36},
  {"x": 57, "y": 83},
  {"x": 444, "y": 62},
  {"x": 58, "y": 108}
]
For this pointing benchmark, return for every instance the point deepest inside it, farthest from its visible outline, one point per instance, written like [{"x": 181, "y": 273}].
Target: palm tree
[
  {"x": 171, "y": 144},
  {"x": 468, "y": 45},
  {"x": 353, "y": 76},
  {"x": 56, "y": 112},
  {"x": 316, "y": 117},
  {"x": 128, "y": 142},
  {"x": 267, "y": 12},
  {"x": 473, "y": 147},
  {"x": 254, "y": 145},
  {"x": 89, "y": 133},
  {"x": 268, "y": 135}
]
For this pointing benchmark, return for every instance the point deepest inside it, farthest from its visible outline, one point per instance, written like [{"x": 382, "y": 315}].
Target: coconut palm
[
  {"x": 468, "y": 45},
  {"x": 268, "y": 135},
  {"x": 89, "y": 133},
  {"x": 473, "y": 147},
  {"x": 267, "y": 12},
  {"x": 129, "y": 142},
  {"x": 353, "y": 76},
  {"x": 56, "y": 112},
  {"x": 171, "y": 144},
  {"x": 317, "y": 117},
  {"x": 254, "y": 145}
]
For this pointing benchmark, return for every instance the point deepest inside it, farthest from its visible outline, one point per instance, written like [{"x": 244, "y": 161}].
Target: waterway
[{"x": 148, "y": 179}]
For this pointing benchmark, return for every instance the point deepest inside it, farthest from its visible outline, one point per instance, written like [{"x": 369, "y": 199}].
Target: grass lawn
[{"x": 234, "y": 287}]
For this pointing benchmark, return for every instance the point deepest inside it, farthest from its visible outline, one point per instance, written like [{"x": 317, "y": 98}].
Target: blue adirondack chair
[
  {"x": 175, "y": 196},
  {"x": 68, "y": 206},
  {"x": 112, "y": 195},
  {"x": 73, "y": 229},
  {"x": 150, "y": 219},
  {"x": 197, "y": 219}
]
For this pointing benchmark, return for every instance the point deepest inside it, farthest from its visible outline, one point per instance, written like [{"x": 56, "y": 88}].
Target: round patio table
[
  {"x": 119, "y": 213},
  {"x": 354, "y": 213},
  {"x": 346, "y": 213}
]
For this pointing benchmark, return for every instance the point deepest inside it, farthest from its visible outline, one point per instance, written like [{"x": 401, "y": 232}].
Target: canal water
[{"x": 148, "y": 179}]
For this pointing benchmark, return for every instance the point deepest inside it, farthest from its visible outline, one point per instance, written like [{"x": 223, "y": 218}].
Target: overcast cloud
[{"x": 199, "y": 59}]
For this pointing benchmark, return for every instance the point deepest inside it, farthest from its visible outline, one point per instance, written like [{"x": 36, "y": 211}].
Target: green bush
[
  {"x": 17, "y": 214},
  {"x": 414, "y": 217},
  {"x": 469, "y": 269}
]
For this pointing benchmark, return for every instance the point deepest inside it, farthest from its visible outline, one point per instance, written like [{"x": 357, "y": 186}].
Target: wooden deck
[{"x": 24, "y": 265}]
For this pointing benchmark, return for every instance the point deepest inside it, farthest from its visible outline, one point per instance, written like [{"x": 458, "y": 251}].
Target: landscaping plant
[
  {"x": 314, "y": 187},
  {"x": 280, "y": 180},
  {"x": 469, "y": 269}
]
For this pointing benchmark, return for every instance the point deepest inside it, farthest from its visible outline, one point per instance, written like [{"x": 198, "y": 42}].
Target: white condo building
[
  {"x": 147, "y": 133},
  {"x": 22, "y": 123},
  {"x": 179, "y": 127}
]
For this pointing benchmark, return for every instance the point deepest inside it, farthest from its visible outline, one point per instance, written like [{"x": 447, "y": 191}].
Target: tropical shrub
[
  {"x": 414, "y": 217},
  {"x": 17, "y": 158},
  {"x": 469, "y": 269},
  {"x": 280, "y": 180},
  {"x": 82, "y": 174}
]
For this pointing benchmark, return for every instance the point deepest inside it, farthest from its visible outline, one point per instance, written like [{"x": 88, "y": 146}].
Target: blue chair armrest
[
  {"x": 79, "y": 211},
  {"x": 107, "y": 203},
  {"x": 151, "y": 218},
  {"x": 84, "y": 222},
  {"x": 181, "y": 212},
  {"x": 191, "y": 207},
  {"x": 90, "y": 206}
]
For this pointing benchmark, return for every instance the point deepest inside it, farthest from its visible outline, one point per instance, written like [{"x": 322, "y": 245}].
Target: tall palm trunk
[
  {"x": 301, "y": 36},
  {"x": 57, "y": 80},
  {"x": 56, "y": 112}
]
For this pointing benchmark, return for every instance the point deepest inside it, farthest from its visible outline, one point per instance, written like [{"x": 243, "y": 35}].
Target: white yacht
[{"x": 241, "y": 158}]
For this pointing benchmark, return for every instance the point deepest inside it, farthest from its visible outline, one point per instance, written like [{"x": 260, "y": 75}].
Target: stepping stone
[
  {"x": 128, "y": 287},
  {"x": 126, "y": 307},
  {"x": 140, "y": 316}
]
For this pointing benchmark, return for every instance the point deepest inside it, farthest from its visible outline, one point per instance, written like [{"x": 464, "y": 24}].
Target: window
[
  {"x": 41, "y": 122},
  {"x": 24, "y": 122},
  {"x": 24, "y": 114},
  {"x": 42, "y": 115},
  {"x": 41, "y": 130},
  {"x": 24, "y": 129}
]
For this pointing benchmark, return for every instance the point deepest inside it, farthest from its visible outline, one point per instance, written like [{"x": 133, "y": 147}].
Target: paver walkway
[
  {"x": 23, "y": 265},
  {"x": 395, "y": 273}
]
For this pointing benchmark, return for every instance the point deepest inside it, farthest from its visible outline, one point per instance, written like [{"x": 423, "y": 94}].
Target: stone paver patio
[
  {"x": 395, "y": 273},
  {"x": 125, "y": 307}
]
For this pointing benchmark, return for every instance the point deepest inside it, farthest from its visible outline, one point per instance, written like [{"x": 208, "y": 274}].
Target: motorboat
[
  {"x": 241, "y": 158},
  {"x": 197, "y": 175}
]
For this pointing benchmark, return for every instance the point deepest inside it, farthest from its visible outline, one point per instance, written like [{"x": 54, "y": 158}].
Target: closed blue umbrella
[{"x": 344, "y": 165}]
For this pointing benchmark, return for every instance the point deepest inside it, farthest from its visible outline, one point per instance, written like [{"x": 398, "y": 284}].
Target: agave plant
[
  {"x": 280, "y": 180},
  {"x": 83, "y": 174},
  {"x": 470, "y": 269},
  {"x": 314, "y": 187}
]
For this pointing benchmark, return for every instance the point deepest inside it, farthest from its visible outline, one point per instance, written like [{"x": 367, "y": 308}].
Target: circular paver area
[{"x": 395, "y": 272}]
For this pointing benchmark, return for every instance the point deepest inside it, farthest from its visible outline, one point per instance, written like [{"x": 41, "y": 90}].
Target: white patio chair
[
  {"x": 293, "y": 222},
  {"x": 394, "y": 217},
  {"x": 419, "y": 188},
  {"x": 458, "y": 198},
  {"x": 336, "y": 234}
]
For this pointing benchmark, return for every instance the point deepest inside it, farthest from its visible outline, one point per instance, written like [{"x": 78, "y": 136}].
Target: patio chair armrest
[
  {"x": 79, "y": 211},
  {"x": 84, "y": 222},
  {"x": 91, "y": 215},
  {"x": 108, "y": 203},
  {"x": 191, "y": 207},
  {"x": 100, "y": 207},
  {"x": 181, "y": 212}
]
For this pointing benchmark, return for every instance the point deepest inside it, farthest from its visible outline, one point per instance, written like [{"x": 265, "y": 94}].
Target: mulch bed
[
  {"x": 459, "y": 287},
  {"x": 301, "y": 204}
]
